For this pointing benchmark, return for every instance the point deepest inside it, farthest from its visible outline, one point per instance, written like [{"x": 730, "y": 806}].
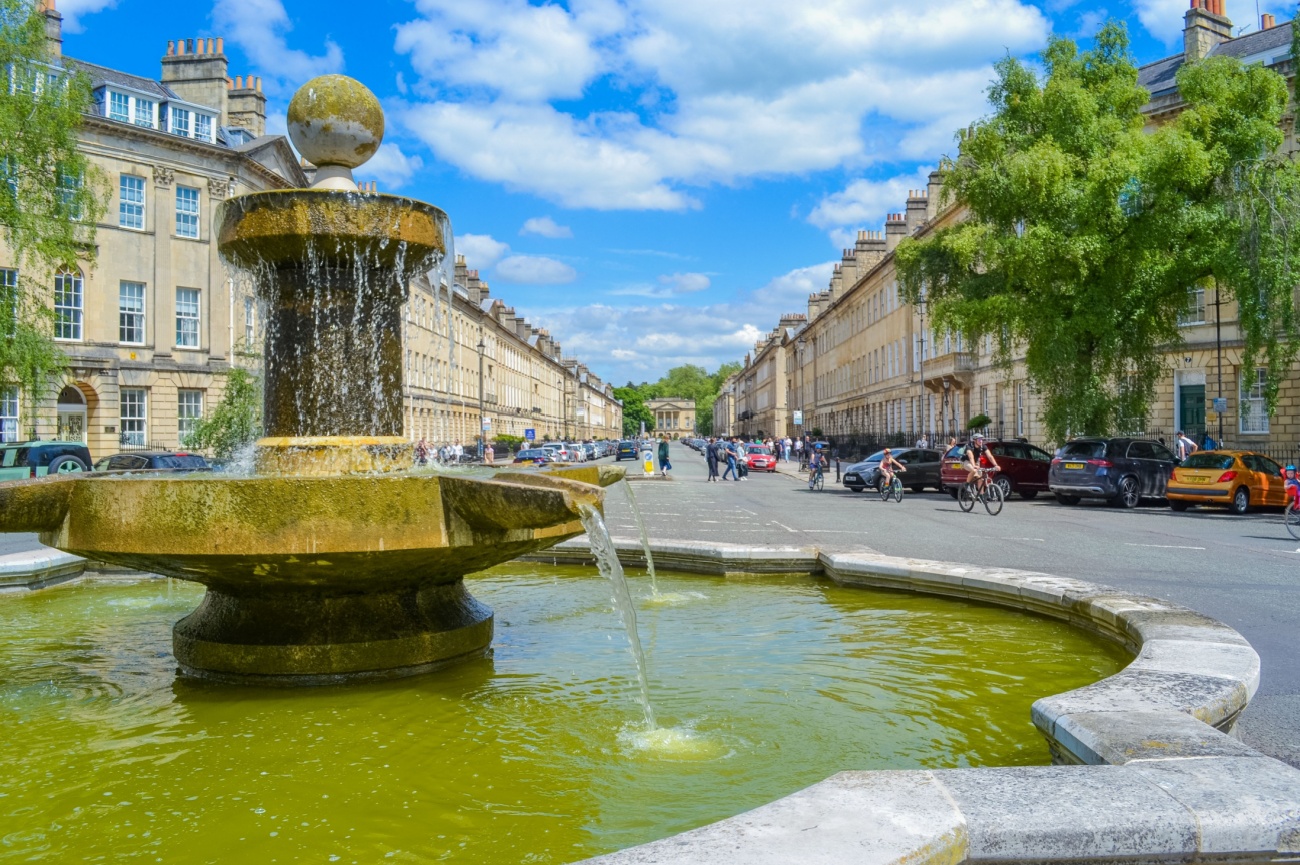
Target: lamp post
[
  {"x": 920, "y": 369},
  {"x": 482, "y": 346}
]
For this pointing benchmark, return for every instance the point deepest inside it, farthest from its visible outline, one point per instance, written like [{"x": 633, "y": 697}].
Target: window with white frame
[
  {"x": 1254, "y": 402},
  {"x": 1020, "y": 408},
  {"x": 119, "y": 107},
  {"x": 68, "y": 302},
  {"x": 189, "y": 411},
  {"x": 187, "y": 318},
  {"x": 178, "y": 121},
  {"x": 130, "y": 208},
  {"x": 130, "y": 313},
  {"x": 9, "y": 413},
  {"x": 187, "y": 211},
  {"x": 1194, "y": 312},
  {"x": 249, "y": 323},
  {"x": 133, "y": 404},
  {"x": 68, "y": 187},
  {"x": 144, "y": 113},
  {"x": 202, "y": 127}
]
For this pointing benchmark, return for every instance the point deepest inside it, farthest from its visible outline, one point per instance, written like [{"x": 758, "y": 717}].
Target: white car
[{"x": 561, "y": 451}]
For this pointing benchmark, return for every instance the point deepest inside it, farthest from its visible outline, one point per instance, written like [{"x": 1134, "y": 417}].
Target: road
[{"x": 1244, "y": 571}]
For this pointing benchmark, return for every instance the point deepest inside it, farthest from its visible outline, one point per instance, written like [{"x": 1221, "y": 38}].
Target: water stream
[
  {"x": 602, "y": 547},
  {"x": 645, "y": 537}
]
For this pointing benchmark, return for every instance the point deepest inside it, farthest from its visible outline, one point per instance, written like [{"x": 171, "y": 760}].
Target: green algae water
[{"x": 535, "y": 755}]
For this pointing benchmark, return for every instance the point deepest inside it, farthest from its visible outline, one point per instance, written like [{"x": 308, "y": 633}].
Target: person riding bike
[
  {"x": 887, "y": 466},
  {"x": 977, "y": 457},
  {"x": 815, "y": 464},
  {"x": 1291, "y": 486}
]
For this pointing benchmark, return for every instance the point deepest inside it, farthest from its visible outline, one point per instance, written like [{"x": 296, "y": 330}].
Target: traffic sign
[{"x": 530, "y": 435}]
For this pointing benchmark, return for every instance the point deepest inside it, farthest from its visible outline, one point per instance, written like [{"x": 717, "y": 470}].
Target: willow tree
[
  {"x": 50, "y": 196},
  {"x": 1084, "y": 232}
]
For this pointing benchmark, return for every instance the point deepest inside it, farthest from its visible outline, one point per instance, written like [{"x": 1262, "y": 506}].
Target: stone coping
[
  {"x": 36, "y": 569},
  {"x": 1147, "y": 771}
]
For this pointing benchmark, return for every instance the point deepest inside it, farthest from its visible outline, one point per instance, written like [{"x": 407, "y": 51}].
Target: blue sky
[{"x": 656, "y": 181}]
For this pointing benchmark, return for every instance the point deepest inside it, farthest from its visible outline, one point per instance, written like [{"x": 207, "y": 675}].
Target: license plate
[
  {"x": 1197, "y": 480},
  {"x": 850, "y": 477},
  {"x": 1075, "y": 465}
]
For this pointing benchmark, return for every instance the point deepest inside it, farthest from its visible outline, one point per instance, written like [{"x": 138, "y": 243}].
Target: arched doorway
[{"x": 72, "y": 415}]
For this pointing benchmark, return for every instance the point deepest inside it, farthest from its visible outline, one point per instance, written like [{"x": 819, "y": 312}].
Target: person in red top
[
  {"x": 976, "y": 456},
  {"x": 1292, "y": 486}
]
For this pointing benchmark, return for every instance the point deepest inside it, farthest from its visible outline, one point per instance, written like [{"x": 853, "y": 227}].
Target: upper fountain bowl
[{"x": 335, "y": 120}]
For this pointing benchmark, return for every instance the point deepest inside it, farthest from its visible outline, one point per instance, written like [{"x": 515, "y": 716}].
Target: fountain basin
[{"x": 313, "y": 579}]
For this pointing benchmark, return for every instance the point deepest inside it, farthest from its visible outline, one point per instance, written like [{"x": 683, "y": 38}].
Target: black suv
[
  {"x": 37, "y": 459},
  {"x": 1121, "y": 470}
]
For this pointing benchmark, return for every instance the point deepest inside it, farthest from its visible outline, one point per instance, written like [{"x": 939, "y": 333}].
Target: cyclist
[
  {"x": 1292, "y": 487},
  {"x": 887, "y": 466},
  {"x": 814, "y": 468},
  {"x": 977, "y": 456}
]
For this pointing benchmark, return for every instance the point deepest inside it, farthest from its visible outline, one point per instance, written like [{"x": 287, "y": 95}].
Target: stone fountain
[{"x": 333, "y": 561}]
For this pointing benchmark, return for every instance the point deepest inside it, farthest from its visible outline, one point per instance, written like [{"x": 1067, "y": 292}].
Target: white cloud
[
  {"x": 866, "y": 202},
  {"x": 260, "y": 28},
  {"x": 535, "y": 270},
  {"x": 390, "y": 166},
  {"x": 714, "y": 93},
  {"x": 74, "y": 10},
  {"x": 481, "y": 251},
  {"x": 1163, "y": 19},
  {"x": 685, "y": 283},
  {"x": 544, "y": 226}
]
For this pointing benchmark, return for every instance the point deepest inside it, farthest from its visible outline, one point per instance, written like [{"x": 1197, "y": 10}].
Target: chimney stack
[
  {"x": 246, "y": 105},
  {"x": 918, "y": 206},
  {"x": 53, "y": 28},
  {"x": 895, "y": 230},
  {"x": 1205, "y": 25},
  {"x": 196, "y": 70}
]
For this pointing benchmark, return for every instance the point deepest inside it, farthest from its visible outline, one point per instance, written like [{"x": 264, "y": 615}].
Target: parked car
[
  {"x": 560, "y": 451},
  {"x": 922, "y": 470},
  {"x": 37, "y": 459},
  {"x": 626, "y": 451},
  {"x": 534, "y": 456},
  {"x": 1238, "y": 479},
  {"x": 759, "y": 458},
  {"x": 155, "y": 461},
  {"x": 1024, "y": 468},
  {"x": 1121, "y": 470}
]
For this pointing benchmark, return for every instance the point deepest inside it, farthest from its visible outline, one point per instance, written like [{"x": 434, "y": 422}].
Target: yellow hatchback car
[{"x": 1238, "y": 479}]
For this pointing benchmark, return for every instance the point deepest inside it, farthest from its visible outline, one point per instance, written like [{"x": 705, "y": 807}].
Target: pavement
[{"x": 1244, "y": 571}]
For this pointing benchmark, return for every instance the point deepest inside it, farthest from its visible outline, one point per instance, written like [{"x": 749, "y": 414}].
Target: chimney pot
[
  {"x": 180, "y": 47},
  {"x": 171, "y": 47},
  {"x": 239, "y": 82},
  {"x": 221, "y": 45},
  {"x": 189, "y": 45},
  {"x": 259, "y": 84}
]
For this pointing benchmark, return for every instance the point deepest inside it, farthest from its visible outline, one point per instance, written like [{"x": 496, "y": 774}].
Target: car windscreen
[
  {"x": 875, "y": 458},
  {"x": 176, "y": 461},
  {"x": 954, "y": 452},
  {"x": 1084, "y": 450},
  {"x": 1208, "y": 461},
  {"x": 531, "y": 454},
  {"x": 766, "y": 451}
]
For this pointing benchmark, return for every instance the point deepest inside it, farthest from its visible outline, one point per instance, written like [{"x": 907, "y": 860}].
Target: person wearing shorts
[
  {"x": 887, "y": 466},
  {"x": 977, "y": 456}
]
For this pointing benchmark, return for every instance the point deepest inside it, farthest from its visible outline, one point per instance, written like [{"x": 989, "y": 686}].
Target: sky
[{"x": 655, "y": 181}]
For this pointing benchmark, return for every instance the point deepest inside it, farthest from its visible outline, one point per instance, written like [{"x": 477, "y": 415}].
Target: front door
[
  {"x": 1191, "y": 411},
  {"x": 72, "y": 424}
]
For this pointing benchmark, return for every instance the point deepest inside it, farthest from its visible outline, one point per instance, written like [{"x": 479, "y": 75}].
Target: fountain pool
[{"x": 537, "y": 754}]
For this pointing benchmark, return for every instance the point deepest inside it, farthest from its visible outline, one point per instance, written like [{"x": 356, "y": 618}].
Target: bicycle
[
  {"x": 893, "y": 488},
  {"x": 983, "y": 489},
  {"x": 817, "y": 481},
  {"x": 1291, "y": 519}
]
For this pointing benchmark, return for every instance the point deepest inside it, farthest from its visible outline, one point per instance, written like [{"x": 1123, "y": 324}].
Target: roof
[
  {"x": 1161, "y": 76},
  {"x": 100, "y": 75}
]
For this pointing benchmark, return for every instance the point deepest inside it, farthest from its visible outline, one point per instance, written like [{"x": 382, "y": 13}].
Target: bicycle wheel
[
  {"x": 993, "y": 499},
  {"x": 883, "y": 489},
  {"x": 1291, "y": 517},
  {"x": 819, "y": 482},
  {"x": 966, "y": 498},
  {"x": 897, "y": 487}
]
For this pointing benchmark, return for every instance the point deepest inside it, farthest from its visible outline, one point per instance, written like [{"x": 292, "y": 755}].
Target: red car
[
  {"x": 1024, "y": 468},
  {"x": 759, "y": 458}
]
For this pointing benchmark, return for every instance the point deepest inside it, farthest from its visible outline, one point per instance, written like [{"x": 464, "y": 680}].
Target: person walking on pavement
[
  {"x": 1183, "y": 446},
  {"x": 731, "y": 461},
  {"x": 711, "y": 457},
  {"x": 664, "y": 466}
]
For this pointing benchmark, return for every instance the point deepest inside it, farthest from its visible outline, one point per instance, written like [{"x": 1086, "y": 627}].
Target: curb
[
  {"x": 1146, "y": 769},
  {"x": 36, "y": 569}
]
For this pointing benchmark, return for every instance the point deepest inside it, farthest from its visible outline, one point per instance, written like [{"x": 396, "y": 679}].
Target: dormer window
[
  {"x": 179, "y": 119},
  {"x": 144, "y": 113},
  {"x": 119, "y": 107},
  {"x": 202, "y": 127}
]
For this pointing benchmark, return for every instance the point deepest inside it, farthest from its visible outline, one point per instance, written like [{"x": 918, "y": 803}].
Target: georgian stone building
[
  {"x": 153, "y": 326},
  {"x": 673, "y": 416},
  {"x": 865, "y": 363}
]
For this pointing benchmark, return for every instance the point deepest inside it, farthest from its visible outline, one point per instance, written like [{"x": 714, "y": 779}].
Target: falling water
[
  {"x": 602, "y": 547},
  {"x": 645, "y": 538}
]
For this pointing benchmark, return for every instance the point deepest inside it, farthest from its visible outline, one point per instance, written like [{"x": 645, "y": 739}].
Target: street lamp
[
  {"x": 481, "y": 347},
  {"x": 801, "y": 346}
]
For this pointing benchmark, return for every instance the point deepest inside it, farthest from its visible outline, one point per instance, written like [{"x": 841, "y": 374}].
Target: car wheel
[
  {"x": 918, "y": 488},
  {"x": 1028, "y": 494},
  {"x": 1176, "y": 505},
  {"x": 1240, "y": 501},
  {"x": 1004, "y": 484},
  {"x": 1129, "y": 495},
  {"x": 952, "y": 491},
  {"x": 66, "y": 464},
  {"x": 857, "y": 489},
  {"x": 1067, "y": 499}
]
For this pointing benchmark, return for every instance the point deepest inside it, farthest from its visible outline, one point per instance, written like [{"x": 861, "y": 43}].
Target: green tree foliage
[
  {"x": 50, "y": 196},
  {"x": 235, "y": 422},
  {"x": 634, "y": 411},
  {"x": 1085, "y": 232},
  {"x": 689, "y": 382}
]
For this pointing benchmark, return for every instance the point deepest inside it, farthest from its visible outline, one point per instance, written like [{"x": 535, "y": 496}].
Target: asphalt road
[{"x": 1244, "y": 571}]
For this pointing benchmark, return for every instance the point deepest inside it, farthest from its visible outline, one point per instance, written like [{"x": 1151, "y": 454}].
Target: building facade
[
  {"x": 153, "y": 326},
  {"x": 673, "y": 416}
]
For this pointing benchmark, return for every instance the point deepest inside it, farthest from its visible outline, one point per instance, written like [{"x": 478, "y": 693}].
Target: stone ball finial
[{"x": 336, "y": 123}]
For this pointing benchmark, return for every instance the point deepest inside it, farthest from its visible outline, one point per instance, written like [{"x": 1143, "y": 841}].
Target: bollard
[{"x": 648, "y": 463}]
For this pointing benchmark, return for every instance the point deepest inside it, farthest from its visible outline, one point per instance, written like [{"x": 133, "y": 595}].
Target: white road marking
[
  {"x": 787, "y": 528},
  {"x": 1040, "y": 540},
  {"x": 1165, "y": 546},
  {"x": 835, "y": 532}
]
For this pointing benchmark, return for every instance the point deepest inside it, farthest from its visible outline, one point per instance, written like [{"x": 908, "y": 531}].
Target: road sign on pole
[
  {"x": 487, "y": 424},
  {"x": 530, "y": 435},
  {"x": 798, "y": 418}
]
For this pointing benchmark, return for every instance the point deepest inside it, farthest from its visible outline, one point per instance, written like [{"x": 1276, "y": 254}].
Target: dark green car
[{"x": 40, "y": 458}]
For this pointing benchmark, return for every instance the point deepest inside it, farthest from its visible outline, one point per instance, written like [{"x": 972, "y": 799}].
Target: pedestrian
[
  {"x": 798, "y": 451},
  {"x": 731, "y": 461},
  {"x": 1183, "y": 446},
  {"x": 711, "y": 457},
  {"x": 487, "y": 453},
  {"x": 923, "y": 442},
  {"x": 421, "y": 452},
  {"x": 664, "y": 466},
  {"x": 742, "y": 460}
]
